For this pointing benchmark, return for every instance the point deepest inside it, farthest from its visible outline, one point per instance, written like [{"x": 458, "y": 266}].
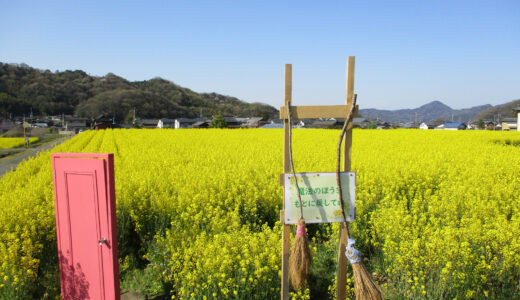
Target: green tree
[
  {"x": 8, "y": 104},
  {"x": 481, "y": 124},
  {"x": 371, "y": 126},
  {"x": 218, "y": 122}
]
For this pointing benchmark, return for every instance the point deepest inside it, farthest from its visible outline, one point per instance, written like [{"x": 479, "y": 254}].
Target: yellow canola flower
[{"x": 437, "y": 213}]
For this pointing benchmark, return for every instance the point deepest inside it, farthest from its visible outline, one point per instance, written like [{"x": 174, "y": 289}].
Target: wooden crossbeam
[{"x": 316, "y": 111}]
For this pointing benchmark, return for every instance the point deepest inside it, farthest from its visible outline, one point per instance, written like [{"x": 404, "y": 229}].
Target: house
[
  {"x": 328, "y": 123},
  {"x": 303, "y": 123},
  {"x": 186, "y": 122},
  {"x": 76, "y": 124},
  {"x": 40, "y": 124},
  {"x": 360, "y": 122},
  {"x": 149, "y": 123},
  {"x": 472, "y": 125},
  {"x": 272, "y": 126},
  {"x": 166, "y": 123},
  {"x": 275, "y": 123},
  {"x": 426, "y": 126},
  {"x": 201, "y": 124},
  {"x": 254, "y": 122},
  {"x": 233, "y": 122},
  {"x": 451, "y": 126},
  {"x": 490, "y": 125},
  {"x": 242, "y": 121},
  {"x": 509, "y": 124},
  {"x": 59, "y": 121},
  {"x": 323, "y": 123},
  {"x": 103, "y": 122},
  {"x": 517, "y": 110},
  {"x": 408, "y": 125},
  {"x": 384, "y": 125}
]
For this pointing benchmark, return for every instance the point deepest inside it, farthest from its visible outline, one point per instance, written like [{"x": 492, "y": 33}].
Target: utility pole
[{"x": 24, "y": 133}]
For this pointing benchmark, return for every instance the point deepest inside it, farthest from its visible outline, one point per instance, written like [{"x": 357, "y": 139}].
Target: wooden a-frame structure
[{"x": 316, "y": 112}]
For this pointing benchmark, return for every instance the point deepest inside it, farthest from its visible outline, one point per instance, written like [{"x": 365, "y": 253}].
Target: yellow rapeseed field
[
  {"x": 198, "y": 211},
  {"x": 9, "y": 142}
]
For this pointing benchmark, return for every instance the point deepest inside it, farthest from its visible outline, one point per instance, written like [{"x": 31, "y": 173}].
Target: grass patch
[
  {"x": 508, "y": 142},
  {"x": 146, "y": 282}
]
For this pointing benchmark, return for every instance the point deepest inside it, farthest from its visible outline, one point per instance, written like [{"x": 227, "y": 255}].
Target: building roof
[
  {"x": 235, "y": 120},
  {"x": 452, "y": 125},
  {"x": 199, "y": 123},
  {"x": 103, "y": 118},
  {"x": 167, "y": 121},
  {"x": 242, "y": 120},
  {"x": 254, "y": 120},
  {"x": 324, "y": 123},
  {"x": 272, "y": 126},
  {"x": 149, "y": 121},
  {"x": 359, "y": 120},
  {"x": 408, "y": 125}
]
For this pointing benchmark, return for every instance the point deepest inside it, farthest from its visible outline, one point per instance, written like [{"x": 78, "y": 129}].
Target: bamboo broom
[
  {"x": 300, "y": 257},
  {"x": 365, "y": 287}
]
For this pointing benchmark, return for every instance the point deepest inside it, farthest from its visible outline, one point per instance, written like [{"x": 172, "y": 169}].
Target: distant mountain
[
  {"x": 503, "y": 111},
  {"x": 426, "y": 113},
  {"x": 24, "y": 89}
]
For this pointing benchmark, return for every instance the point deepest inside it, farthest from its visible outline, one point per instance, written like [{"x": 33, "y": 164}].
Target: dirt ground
[{"x": 11, "y": 162}]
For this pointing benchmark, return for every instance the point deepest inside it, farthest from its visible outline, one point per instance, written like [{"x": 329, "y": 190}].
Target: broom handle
[
  {"x": 291, "y": 161},
  {"x": 338, "y": 166}
]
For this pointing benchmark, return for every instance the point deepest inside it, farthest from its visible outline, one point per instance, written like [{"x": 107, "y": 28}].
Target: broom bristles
[
  {"x": 300, "y": 258},
  {"x": 365, "y": 287}
]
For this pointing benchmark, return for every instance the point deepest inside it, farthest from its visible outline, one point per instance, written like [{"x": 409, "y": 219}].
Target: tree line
[{"x": 24, "y": 89}]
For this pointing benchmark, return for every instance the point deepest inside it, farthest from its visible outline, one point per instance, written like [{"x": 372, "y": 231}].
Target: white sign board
[{"x": 320, "y": 197}]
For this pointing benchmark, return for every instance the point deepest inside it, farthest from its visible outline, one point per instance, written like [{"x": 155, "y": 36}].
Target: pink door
[{"x": 86, "y": 225}]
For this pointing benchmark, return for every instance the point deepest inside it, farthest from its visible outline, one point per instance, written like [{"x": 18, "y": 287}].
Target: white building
[
  {"x": 425, "y": 126},
  {"x": 517, "y": 109},
  {"x": 166, "y": 123}
]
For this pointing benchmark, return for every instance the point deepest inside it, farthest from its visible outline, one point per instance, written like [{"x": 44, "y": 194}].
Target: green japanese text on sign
[{"x": 319, "y": 194}]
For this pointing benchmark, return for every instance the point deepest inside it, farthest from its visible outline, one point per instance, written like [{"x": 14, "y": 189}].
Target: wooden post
[
  {"x": 24, "y": 136},
  {"x": 341, "y": 278},
  {"x": 286, "y": 238}
]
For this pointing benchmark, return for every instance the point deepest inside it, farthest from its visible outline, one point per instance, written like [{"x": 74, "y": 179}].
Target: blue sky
[{"x": 408, "y": 53}]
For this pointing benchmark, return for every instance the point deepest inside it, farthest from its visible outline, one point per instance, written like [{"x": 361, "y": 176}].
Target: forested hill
[
  {"x": 23, "y": 88},
  {"x": 425, "y": 113},
  {"x": 506, "y": 110}
]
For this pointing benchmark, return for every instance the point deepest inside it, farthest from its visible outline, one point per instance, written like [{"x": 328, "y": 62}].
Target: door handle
[{"x": 102, "y": 241}]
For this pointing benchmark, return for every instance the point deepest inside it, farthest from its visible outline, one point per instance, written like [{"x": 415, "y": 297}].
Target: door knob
[{"x": 103, "y": 241}]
